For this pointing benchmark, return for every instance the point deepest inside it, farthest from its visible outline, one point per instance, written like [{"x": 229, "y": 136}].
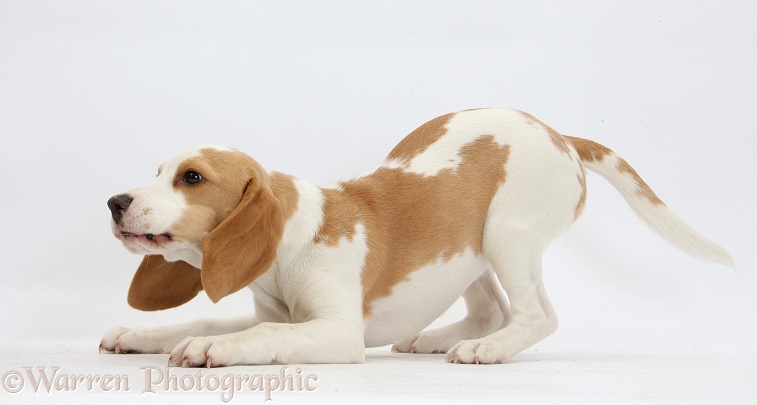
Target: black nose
[{"x": 118, "y": 206}]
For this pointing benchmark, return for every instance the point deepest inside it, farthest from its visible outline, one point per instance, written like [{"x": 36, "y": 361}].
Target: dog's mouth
[{"x": 149, "y": 238}]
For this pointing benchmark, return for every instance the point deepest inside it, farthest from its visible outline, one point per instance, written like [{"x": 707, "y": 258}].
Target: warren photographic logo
[{"x": 158, "y": 381}]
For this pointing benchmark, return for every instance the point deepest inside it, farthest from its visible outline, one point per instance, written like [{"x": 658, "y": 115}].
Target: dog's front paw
[
  {"x": 221, "y": 351},
  {"x": 478, "y": 351},
  {"x": 212, "y": 351},
  {"x": 125, "y": 340},
  {"x": 425, "y": 343},
  {"x": 405, "y": 346}
]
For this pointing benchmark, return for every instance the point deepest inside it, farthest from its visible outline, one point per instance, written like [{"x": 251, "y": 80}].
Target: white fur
[
  {"x": 308, "y": 305},
  {"x": 415, "y": 303},
  {"x": 659, "y": 217}
]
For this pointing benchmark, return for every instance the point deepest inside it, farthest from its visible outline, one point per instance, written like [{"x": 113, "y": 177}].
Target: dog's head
[{"x": 212, "y": 207}]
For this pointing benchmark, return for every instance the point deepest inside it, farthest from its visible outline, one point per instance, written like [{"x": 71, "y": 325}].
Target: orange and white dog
[{"x": 466, "y": 203}]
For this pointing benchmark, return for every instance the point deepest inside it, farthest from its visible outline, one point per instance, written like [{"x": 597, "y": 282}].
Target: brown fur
[
  {"x": 420, "y": 139},
  {"x": 590, "y": 151},
  {"x": 411, "y": 220},
  {"x": 644, "y": 189},
  {"x": 285, "y": 192},
  {"x": 582, "y": 200},
  {"x": 159, "y": 284}
]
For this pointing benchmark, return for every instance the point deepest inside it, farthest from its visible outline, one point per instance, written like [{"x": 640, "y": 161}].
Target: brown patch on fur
[
  {"x": 581, "y": 200},
  {"x": 590, "y": 151},
  {"x": 341, "y": 215},
  {"x": 557, "y": 138},
  {"x": 643, "y": 188},
  {"x": 285, "y": 192},
  {"x": 419, "y": 140},
  {"x": 412, "y": 220}
]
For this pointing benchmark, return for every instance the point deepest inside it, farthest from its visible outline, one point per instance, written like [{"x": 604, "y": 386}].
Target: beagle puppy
[{"x": 464, "y": 205}]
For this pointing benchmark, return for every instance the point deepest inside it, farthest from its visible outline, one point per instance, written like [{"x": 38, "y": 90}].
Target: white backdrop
[{"x": 94, "y": 95}]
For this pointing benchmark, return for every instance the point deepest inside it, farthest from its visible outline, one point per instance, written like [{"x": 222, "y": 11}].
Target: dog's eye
[{"x": 192, "y": 177}]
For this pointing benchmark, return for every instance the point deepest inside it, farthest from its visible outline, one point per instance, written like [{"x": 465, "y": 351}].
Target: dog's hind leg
[
  {"x": 540, "y": 200},
  {"x": 533, "y": 319},
  {"x": 488, "y": 311}
]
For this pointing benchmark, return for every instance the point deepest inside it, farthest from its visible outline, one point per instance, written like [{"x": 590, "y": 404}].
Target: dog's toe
[
  {"x": 125, "y": 341},
  {"x": 192, "y": 352},
  {"x": 110, "y": 339},
  {"x": 405, "y": 346},
  {"x": 477, "y": 351}
]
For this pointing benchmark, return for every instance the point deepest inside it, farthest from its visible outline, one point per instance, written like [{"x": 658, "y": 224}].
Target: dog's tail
[{"x": 645, "y": 202}]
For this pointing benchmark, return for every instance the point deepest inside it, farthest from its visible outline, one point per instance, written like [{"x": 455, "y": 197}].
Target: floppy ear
[
  {"x": 243, "y": 246},
  {"x": 159, "y": 284}
]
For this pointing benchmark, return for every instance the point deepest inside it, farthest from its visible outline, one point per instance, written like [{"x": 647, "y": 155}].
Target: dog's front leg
[
  {"x": 323, "y": 324},
  {"x": 315, "y": 341},
  {"x": 164, "y": 338}
]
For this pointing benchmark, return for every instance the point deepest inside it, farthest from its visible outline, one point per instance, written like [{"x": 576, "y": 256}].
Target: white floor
[{"x": 534, "y": 376}]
